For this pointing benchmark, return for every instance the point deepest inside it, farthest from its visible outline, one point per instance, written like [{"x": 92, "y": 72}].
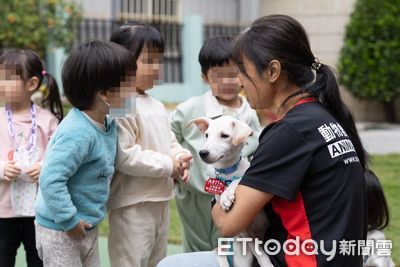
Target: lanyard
[
  {"x": 298, "y": 103},
  {"x": 33, "y": 132},
  {"x": 305, "y": 100}
]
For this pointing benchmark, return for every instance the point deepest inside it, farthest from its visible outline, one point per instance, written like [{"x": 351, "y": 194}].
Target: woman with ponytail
[
  {"x": 24, "y": 133},
  {"x": 308, "y": 171}
]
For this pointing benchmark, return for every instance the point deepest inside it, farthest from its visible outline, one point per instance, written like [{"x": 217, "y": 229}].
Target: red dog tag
[{"x": 214, "y": 186}]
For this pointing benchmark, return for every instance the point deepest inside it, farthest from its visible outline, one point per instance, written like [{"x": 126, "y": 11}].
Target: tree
[
  {"x": 34, "y": 24},
  {"x": 369, "y": 64}
]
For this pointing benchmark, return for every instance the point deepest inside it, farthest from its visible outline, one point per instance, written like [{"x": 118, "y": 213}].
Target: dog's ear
[
  {"x": 241, "y": 131},
  {"x": 201, "y": 123}
]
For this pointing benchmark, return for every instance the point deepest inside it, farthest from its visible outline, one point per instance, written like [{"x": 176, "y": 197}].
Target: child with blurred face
[
  {"x": 149, "y": 68},
  {"x": 74, "y": 184},
  {"x": 24, "y": 134},
  {"x": 223, "y": 98},
  {"x": 149, "y": 161},
  {"x": 224, "y": 83}
]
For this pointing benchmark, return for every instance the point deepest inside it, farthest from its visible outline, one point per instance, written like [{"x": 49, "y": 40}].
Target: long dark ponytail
[
  {"x": 378, "y": 210},
  {"x": 27, "y": 65},
  {"x": 51, "y": 97},
  {"x": 327, "y": 90},
  {"x": 282, "y": 38}
]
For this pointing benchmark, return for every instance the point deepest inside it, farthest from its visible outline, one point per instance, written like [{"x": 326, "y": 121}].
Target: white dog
[{"x": 225, "y": 138}]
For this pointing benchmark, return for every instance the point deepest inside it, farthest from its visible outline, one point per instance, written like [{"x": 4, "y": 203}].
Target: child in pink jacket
[{"x": 25, "y": 130}]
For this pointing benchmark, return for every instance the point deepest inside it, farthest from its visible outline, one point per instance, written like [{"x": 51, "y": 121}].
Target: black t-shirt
[{"x": 307, "y": 161}]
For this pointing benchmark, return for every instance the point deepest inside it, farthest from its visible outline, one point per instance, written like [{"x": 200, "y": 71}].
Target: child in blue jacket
[{"x": 79, "y": 160}]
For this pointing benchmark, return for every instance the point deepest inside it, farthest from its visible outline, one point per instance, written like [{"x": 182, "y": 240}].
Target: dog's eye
[
  {"x": 206, "y": 135},
  {"x": 224, "y": 135}
]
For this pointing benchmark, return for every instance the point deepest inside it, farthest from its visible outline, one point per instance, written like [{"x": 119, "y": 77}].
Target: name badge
[{"x": 214, "y": 186}]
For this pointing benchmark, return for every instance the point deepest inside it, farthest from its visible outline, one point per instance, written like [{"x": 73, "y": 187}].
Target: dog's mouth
[{"x": 210, "y": 161}]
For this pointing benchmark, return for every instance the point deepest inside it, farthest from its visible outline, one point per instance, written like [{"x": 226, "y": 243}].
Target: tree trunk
[{"x": 390, "y": 111}]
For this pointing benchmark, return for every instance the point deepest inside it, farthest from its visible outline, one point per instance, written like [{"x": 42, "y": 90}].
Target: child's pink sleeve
[{"x": 53, "y": 126}]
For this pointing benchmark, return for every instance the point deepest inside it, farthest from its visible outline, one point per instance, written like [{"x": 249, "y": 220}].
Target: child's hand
[
  {"x": 34, "y": 171},
  {"x": 79, "y": 231},
  {"x": 185, "y": 164},
  {"x": 181, "y": 168},
  {"x": 185, "y": 176},
  {"x": 11, "y": 172},
  {"x": 186, "y": 161},
  {"x": 177, "y": 171}
]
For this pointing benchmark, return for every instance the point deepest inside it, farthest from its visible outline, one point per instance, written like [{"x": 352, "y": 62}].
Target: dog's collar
[
  {"x": 226, "y": 181},
  {"x": 230, "y": 169}
]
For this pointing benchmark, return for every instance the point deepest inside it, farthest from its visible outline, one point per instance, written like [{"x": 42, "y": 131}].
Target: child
[
  {"x": 378, "y": 219},
  {"x": 219, "y": 72},
  {"x": 24, "y": 133},
  {"x": 148, "y": 156},
  {"x": 79, "y": 160}
]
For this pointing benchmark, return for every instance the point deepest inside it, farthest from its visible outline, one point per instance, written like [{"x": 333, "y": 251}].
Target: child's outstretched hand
[
  {"x": 79, "y": 231},
  {"x": 177, "y": 170},
  {"x": 34, "y": 171},
  {"x": 185, "y": 164},
  {"x": 11, "y": 172}
]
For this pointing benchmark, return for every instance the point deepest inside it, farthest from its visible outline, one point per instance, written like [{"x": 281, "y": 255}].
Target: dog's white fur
[{"x": 225, "y": 138}]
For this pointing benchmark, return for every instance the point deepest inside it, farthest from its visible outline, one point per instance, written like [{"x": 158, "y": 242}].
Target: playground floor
[{"x": 172, "y": 249}]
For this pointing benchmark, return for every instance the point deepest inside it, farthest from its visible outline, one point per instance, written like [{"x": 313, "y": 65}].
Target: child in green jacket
[{"x": 194, "y": 204}]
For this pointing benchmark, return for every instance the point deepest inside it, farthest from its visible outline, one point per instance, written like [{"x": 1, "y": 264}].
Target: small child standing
[
  {"x": 79, "y": 160},
  {"x": 24, "y": 133},
  {"x": 219, "y": 72},
  {"x": 148, "y": 156},
  {"x": 378, "y": 219}
]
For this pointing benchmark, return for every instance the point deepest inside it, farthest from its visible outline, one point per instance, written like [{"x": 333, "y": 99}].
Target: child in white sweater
[{"x": 148, "y": 160}]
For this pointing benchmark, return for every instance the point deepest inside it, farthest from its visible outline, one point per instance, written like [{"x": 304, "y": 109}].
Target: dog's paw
[
  {"x": 228, "y": 196},
  {"x": 227, "y": 199}
]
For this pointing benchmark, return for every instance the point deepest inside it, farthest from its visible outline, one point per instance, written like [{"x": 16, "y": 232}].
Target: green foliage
[
  {"x": 34, "y": 24},
  {"x": 369, "y": 63}
]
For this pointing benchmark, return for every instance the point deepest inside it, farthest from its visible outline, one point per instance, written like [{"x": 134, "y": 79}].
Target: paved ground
[
  {"x": 380, "y": 138},
  {"x": 172, "y": 249}
]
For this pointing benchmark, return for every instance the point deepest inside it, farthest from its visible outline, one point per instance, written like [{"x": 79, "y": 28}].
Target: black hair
[
  {"x": 215, "y": 51},
  {"x": 282, "y": 38},
  {"x": 95, "y": 66},
  {"x": 136, "y": 35},
  {"x": 378, "y": 211},
  {"x": 27, "y": 65}
]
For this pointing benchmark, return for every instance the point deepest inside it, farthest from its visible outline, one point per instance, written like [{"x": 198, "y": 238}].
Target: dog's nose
[{"x": 204, "y": 153}]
